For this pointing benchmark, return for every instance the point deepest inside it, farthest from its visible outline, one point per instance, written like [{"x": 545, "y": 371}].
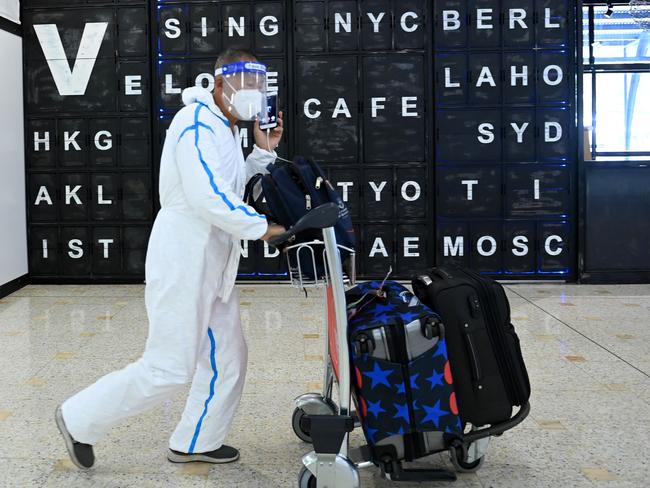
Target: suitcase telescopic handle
[
  {"x": 441, "y": 273},
  {"x": 323, "y": 216}
]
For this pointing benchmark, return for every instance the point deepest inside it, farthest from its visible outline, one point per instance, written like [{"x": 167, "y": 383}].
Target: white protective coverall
[{"x": 193, "y": 308}]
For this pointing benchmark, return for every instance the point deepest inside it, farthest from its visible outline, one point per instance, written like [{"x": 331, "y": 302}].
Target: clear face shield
[{"x": 244, "y": 88}]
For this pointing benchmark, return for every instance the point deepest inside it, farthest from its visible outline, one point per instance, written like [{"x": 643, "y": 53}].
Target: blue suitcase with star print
[{"x": 401, "y": 377}]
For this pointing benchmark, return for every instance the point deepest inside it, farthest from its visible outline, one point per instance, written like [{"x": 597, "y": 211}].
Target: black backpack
[{"x": 287, "y": 193}]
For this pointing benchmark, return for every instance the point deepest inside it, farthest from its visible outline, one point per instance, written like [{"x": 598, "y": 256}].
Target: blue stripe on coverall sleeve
[
  {"x": 215, "y": 375},
  {"x": 196, "y": 126}
]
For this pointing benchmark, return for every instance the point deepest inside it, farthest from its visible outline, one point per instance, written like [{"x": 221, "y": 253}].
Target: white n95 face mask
[{"x": 247, "y": 104}]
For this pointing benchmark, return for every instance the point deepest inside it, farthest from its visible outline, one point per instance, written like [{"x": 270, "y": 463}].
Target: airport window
[{"x": 616, "y": 81}]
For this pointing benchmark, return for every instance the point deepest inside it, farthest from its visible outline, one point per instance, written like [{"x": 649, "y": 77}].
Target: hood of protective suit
[{"x": 198, "y": 94}]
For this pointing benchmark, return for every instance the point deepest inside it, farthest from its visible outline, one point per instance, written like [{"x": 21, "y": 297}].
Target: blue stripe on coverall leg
[
  {"x": 215, "y": 375},
  {"x": 197, "y": 125}
]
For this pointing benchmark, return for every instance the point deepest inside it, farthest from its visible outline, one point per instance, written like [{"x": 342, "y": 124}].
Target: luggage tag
[{"x": 375, "y": 294}]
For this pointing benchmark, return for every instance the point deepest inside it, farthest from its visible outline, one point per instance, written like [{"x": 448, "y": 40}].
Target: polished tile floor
[{"x": 587, "y": 350}]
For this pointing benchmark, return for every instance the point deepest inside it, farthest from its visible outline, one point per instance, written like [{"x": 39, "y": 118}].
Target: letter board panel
[
  {"x": 519, "y": 256},
  {"x": 343, "y": 22},
  {"x": 378, "y": 248},
  {"x": 132, "y": 38},
  {"x": 414, "y": 251},
  {"x": 553, "y": 21},
  {"x": 451, "y": 84},
  {"x": 484, "y": 21},
  {"x": 135, "y": 240},
  {"x": 40, "y": 143},
  {"x": 376, "y": 25},
  {"x": 394, "y": 108},
  {"x": 518, "y": 29},
  {"x": 136, "y": 196},
  {"x": 450, "y": 24},
  {"x": 484, "y": 78},
  {"x": 519, "y": 77},
  {"x": 269, "y": 261},
  {"x": 519, "y": 143},
  {"x": 74, "y": 198},
  {"x": 452, "y": 243},
  {"x": 327, "y": 108},
  {"x": 44, "y": 250},
  {"x": 173, "y": 76},
  {"x": 73, "y": 150},
  {"x": 554, "y": 248},
  {"x": 269, "y": 27},
  {"x": 309, "y": 26},
  {"x": 43, "y": 194},
  {"x": 135, "y": 143},
  {"x": 485, "y": 243},
  {"x": 105, "y": 204},
  {"x": 172, "y": 31},
  {"x": 103, "y": 134},
  {"x": 410, "y": 24},
  {"x": 554, "y": 140},
  {"x": 133, "y": 86},
  {"x": 412, "y": 193},
  {"x": 75, "y": 251},
  {"x": 347, "y": 182},
  {"x": 378, "y": 194},
  {"x": 236, "y": 26},
  {"x": 537, "y": 190},
  {"x": 468, "y": 135},
  {"x": 204, "y": 30},
  {"x": 469, "y": 191},
  {"x": 106, "y": 255},
  {"x": 247, "y": 264},
  {"x": 164, "y": 122},
  {"x": 554, "y": 77},
  {"x": 202, "y": 74}
]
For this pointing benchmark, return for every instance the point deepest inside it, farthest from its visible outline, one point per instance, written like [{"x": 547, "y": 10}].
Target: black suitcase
[
  {"x": 489, "y": 373},
  {"x": 401, "y": 378}
]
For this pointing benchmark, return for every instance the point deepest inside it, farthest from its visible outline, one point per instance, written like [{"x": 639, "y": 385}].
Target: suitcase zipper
[
  {"x": 401, "y": 355},
  {"x": 497, "y": 336},
  {"x": 473, "y": 358}
]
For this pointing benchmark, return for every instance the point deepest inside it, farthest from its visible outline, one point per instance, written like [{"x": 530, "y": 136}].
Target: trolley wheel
[
  {"x": 306, "y": 479},
  {"x": 298, "y": 427},
  {"x": 461, "y": 465}
]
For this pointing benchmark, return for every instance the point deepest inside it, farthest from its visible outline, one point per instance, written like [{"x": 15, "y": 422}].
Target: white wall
[
  {"x": 10, "y": 9},
  {"x": 13, "y": 225}
]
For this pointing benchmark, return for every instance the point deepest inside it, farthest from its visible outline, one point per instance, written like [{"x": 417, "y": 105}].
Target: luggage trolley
[{"x": 317, "y": 418}]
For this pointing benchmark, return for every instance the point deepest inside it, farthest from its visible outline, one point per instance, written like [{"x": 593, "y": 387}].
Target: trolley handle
[{"x": 323, "y": 216}]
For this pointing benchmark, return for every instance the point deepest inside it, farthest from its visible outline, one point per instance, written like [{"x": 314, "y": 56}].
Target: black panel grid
[
  {"x": 88, "y": 139},
  {"x": 448, "y": 126},
  {"x": 506, "y": 137}
]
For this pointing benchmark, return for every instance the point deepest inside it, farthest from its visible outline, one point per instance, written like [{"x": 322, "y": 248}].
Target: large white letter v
[{"x": 75, "y": 81}]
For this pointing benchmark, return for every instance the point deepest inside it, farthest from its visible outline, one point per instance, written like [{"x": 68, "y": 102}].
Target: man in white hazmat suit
[{"x": 193, "y": 308}]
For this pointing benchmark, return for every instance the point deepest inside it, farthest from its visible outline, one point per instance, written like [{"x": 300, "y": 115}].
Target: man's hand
[
  {"x": 274, "y": 137},
  {"x": 272, "y": 231}
]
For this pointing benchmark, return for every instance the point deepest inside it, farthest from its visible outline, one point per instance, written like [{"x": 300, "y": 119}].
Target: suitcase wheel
[
  {"x": 298, "y": 424},
  {"x": 306, "y": 479},
  {"x": 363, "y": 345}
]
